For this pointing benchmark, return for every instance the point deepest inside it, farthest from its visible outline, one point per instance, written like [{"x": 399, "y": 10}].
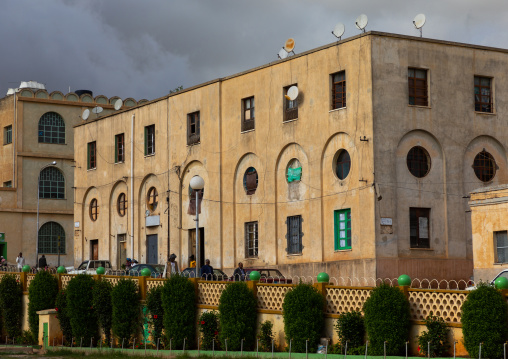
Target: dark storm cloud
[{"x": 142, "y": 49}]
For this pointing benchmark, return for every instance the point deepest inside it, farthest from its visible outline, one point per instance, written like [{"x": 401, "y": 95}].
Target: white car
[
  {"x": 89, "y": 267},
  {"x": 503, "y": 273}
]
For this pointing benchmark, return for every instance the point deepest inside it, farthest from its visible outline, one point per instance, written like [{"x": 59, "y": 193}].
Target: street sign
[{"x": 2, "y": 237}]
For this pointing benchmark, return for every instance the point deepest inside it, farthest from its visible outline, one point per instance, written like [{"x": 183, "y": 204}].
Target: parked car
[
  {"x": 218, "y": 275},
  {"x": 158, "y": 270},
  {"x": 268, "y": 276},
  {"x": 503, "y": 273},
  {"x": 89, "y": 267}
]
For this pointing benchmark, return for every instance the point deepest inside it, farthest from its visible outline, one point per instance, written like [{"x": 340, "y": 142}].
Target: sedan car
[
  {"x": 158, "y": 270},
  {"x": 503, "y": 273},
  {"x": 218, "y": 275},
  {"x": 269, "y": 276}
]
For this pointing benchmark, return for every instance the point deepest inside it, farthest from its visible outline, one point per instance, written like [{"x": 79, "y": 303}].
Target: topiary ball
[
  {"x": 100, "y": 270},
  {"x": 61, "y": 270},
  {"x": 323, "y": 277},
  {"x": 501, "y": 283},
  {"x": 26, "y": 268},
  {"x": 145, "y": 272},
  {"x": 404, "y": 280},
  {"x": 254, "y": 275}
]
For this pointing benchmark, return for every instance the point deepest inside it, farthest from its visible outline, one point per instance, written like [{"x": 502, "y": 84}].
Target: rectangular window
[
  {"x": 248, "y": 114},
  {"x": 251, "y": 239},
  {"x": 419, "y": 227},
  {"x": 193, "y": 128},
  {"x": 7, "y": 135},
  {"x": 501, "y": 243},
  {"x": 149, "y": 140},
  {"x": 290, "y": 106},
  {"x": 92, "y": 155},
  {"x": 8, "y": 184},
  {"x": 339, "y": 90},
  {"x": 294, "y": 235},
  {"x": 417, "y": 82},
  {"x": 483, "y": 94},
  {"x": 342, "y": 222},
  {"x": 119, "y": 148}
]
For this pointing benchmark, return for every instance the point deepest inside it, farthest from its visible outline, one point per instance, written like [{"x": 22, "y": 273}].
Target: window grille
[
  {"x": 149, "y": 140},
  {"x": 339, "y": 90},
  {"x": 251, "y": 239},
  {"x": 119, "y": 148},
  {"x": 94, "y": 209},
  {"x": 294, "y": 235},
  {"x": 484, "y": 166},
  {"x": 122, "y": 204},
  {"x": 7, "y": 135},
  {"x": 51, "y": 183},
  {"x": 51, "y": 128},
  {"x": 419, "y": 227},
  {"x": 50, "y": 234},
  {"x": 417, "y": 83},
  {"x": 418, "y": 161},
  {"x": 483, "y": 94}
]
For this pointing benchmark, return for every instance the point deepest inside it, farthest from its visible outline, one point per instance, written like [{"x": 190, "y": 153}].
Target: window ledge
[
  {"x": 150, "y": 155},
  {"x": 55, "y": 199},
  {"x": 250, "y": 258},
  {"x": 421, "y": 249},
  {"x": 248, "y": 131},
  {"x": 485, "y": 113},
  {"x": 500, "y": 264},
  {"x": 293, "y": 120},
  {"x": 91, "y": 169},
  {"x": 337, "y": 109},
  {"x": 418, "y": 106},
  {"x": 119, "y": 163},
  {"x": 10, "y": 143},
  {"x": 343, "y": 250},
  {"x": 295, "y": 255},
  {"x": 194, "y": 144}
]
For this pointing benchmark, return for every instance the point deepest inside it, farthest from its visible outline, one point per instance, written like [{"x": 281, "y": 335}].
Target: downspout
[
  {"x": 168, "y": 192},
  {"x": 14, "y": 133},
  {"x": 132, "y": 186}
]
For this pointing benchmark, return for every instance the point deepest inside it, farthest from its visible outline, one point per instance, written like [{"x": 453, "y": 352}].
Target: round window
[
  {"x": 294, "y": 171},
  {"x": 484, "y": 166},
  {"x": 250, "y": 181},
  {"x": 94, "y": 209},
  {"x": 342, "y": 164},
  {"x": 418, "y": 161},
  {"x": 152, "y": 199},
  {"x": 121, "y": 204}
]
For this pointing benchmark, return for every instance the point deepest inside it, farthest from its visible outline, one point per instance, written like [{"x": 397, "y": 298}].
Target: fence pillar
[
  {"x": 23, "y": 280},
  {"x": 59, "y": 277},
  {"x": 194, "y": 281},
  {"x": 253, "y": 285},
  {"x": 404, "y": 282},
  {"x": 142, "y": 287}
]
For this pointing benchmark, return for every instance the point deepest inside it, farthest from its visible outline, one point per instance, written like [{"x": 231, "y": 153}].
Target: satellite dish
[
  {"x": 289, "y": 45},
  {"x": 339, "y": 29},
  {"x": 361, "y": 22},
  {"x": 85, "y": 114},
  {"x": 97, "y": 110},
  {"x": 292, "y": 93},
  {"x": 282, "y": 54},
  {"x": 118, "y": 104},
  {"x": 419, "y": 21}
]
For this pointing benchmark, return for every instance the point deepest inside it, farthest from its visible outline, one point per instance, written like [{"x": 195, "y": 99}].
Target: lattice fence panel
[
  {"x": 16, "y": 275},
  {"x": 154, "y": 283},
  {"x": 343, "y": 300},
  {"x": 446, "y": 305},
  {"x": 66, "y": 278},
  {"x": 29, "y": 278},
  {"x": 114, "y": 280},
  {"x": 210, "y": 292},
  {"x": 271, "y": 297}
]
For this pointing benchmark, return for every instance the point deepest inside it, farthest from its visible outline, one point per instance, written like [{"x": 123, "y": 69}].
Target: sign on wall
[{"x": 2, "y": 237}]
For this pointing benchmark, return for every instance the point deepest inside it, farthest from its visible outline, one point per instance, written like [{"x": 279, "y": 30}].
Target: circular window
[
  {"x": 342, "y": 164},
  {"x": 250, "y": 180},
  {"x": 121, "y": 204},
  {"x": 418, "y": 161},
  {"x": 484, "y": 166},
  {"x": 151, "y": 199},
  {"x": 294, "y": 171},
  {"x": 94, "y": 209}
]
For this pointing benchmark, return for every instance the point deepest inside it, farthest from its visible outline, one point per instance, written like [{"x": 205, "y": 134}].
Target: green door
[{"x": 45, "y": 334}]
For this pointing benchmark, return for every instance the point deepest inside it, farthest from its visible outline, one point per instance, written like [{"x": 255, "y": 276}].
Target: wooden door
[{"x": 94, "y": 249}]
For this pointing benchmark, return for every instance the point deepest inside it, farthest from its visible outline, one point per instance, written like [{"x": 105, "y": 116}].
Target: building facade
[
  {"x": 363, "y": 174},
  {"x": 37, "y": 131}
]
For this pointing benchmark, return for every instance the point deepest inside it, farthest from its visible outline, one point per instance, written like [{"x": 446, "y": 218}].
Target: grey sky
[{"x": 143, "y": 49}]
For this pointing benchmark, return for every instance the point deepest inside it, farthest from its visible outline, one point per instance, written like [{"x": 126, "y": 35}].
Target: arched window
[
  {"x": 52, "y": 183},
  {"x": 342, "y": 164},
  {"x": 50, "y": 234},
  {"x": 94, "y": 209},
  {"x": 122, "y": 204},
  {"x": 151, "y": 199},
  {"x": 51, "y": 128},
  {"x": 484, "y": 166}
]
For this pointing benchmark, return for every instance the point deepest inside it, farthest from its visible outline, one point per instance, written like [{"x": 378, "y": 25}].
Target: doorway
[
  {"x": 152, "y": 252},
  {"x": 192, "y": 245},
  {"x": 121, "y": 257},
  {"x": 3, "y": 250},
  {"x": 94, "y": 249}
]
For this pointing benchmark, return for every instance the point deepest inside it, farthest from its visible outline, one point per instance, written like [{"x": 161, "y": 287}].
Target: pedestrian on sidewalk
[{"x": 20, "y": 260}]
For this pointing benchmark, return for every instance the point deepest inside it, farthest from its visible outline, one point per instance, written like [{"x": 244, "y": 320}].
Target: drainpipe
[
  {"x": 132, "y": 186},
  {"x": 14, "y": 132}
]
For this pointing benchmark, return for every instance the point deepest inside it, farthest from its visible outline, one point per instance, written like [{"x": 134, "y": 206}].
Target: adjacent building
[
  {"x": 365, "y": 173},
  {"x": 38, "y": 144}
]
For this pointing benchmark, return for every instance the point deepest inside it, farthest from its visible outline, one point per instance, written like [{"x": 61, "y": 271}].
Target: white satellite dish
[
  {"x": 292, "y": 93},
  {"x": 118, "y": 104},
  {"x": 289, "y": 46},
  {"x": 419, "y": 21},
  {"x": 361, "y": 22},
  {"x": 282, "y": 54},
  {"x": 85, "y": 114},
  {"x": 97, "y": 110},
  {"x": 338, "y": 31}
]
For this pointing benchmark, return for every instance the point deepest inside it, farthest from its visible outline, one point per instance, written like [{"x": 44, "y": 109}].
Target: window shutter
[
  {"x": 116, "y": 149},
  {"x": 188, "y": 130},
  {"x": 198, "y": 124},
  {"x": 88, "y": 156}
]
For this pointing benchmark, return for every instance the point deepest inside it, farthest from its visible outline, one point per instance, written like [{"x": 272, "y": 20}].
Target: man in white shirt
[{"x": 20, "y": 260}]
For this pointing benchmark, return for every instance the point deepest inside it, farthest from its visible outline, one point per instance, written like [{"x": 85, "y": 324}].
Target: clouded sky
[{"x": 143, "y": 49}]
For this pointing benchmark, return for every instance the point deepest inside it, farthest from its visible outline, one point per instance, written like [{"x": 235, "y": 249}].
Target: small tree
[
  {"x": 82, "y": 315},
  {"x": 209, "y": 328},
  {"x": 11, "y": 294},
  {"x": 266, "y": 336},
  {"x": 103, "y": 306},
  {"x": 437, "y": 335},
  {"x": 179, "y": 303},
  {"x": 303, "y": 317},
  {"x": 63, "y": 315},
  {"x": 154, "y": 305},
  {"x": 42, "y": 294},
  {"x": 387, "y": 319},
  {"x": 126, "y": 309},
  {"x": 350, "y": 328},
  {"x": 484, "y": 320}
]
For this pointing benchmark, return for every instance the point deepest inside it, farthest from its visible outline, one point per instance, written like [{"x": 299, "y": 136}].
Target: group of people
[
  {"x": 130, "y": 263},
  {"x": 206, "y": 270}
]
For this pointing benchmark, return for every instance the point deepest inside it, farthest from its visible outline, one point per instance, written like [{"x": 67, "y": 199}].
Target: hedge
[
  {"x": 80, "y": 309},
  {"x": 154, "y": 305},
  {"x": 11, "y": 293},
  {"x": 42, "y": 294},
  {"x": 103, "y": 307},
  {"x": 126, "y": 309},
  {"x": 63, "y": 315}
]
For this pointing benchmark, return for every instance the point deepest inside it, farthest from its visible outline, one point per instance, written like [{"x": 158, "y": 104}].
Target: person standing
[
  {"x": 239, "y": 273},
  {"x": 42, "y": 262},
  {"x": 173, "y": 264},
  {"x": 20, "y": 260},
  {"x": 192, "y": 261},
  {"x": 207, "y": 271}
]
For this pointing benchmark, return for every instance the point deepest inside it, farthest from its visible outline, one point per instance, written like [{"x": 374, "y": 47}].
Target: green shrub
[
  {"x": 179, "y": 304},
  {"x": 437, "y": 335},
  {"x": 103, "y": 307},
  {"x": 209, "y": 328},
  {"x": 303, "y": 317},
  {"x": 238, "y": 316},
  {"x": 484, "y": 319},
  {"x": 387, "y": 319},
  {"x": 80, "y": 308},
  {"x": 26, "y": 338},
  {"x": 266, "y": 336},
  {"x": 11, "y": 294},
  {"x": 42, "y": 294},
  {"x": 154, "y": 305},
  {"x": 63, "y": 316},
  {"x": 126, "y": 309},
  {"x": 350, "y": 328}
]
